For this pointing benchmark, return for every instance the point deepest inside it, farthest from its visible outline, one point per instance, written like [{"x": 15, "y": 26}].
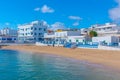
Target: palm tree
[{"x": 93, "y": 34}]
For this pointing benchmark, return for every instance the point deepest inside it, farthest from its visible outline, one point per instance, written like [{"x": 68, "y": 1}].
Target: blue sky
[{"x": 71, "y": 13}]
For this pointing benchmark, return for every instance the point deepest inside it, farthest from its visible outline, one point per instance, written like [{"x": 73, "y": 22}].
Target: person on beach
[{"x": 53, "y": 43}]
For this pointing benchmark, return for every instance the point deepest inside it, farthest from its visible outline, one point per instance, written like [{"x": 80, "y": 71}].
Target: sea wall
[{"x": 108, "y": 48}]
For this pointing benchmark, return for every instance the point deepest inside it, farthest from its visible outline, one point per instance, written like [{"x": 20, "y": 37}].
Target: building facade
[
  {"x": 108, "y": 34},
  {"x": 63, "y": 37},
  {"x": 8, "y": 32},
  {"x": 8, "y": 39},
  {"x": 107, "y": 40},
  {"x": 84, "y": 31},
  {"x": 32, "y": 32},
  {"x": 106, "y": 29},
  {"x": 8, "y": 35},
  {"x": 76, "y": 39}
]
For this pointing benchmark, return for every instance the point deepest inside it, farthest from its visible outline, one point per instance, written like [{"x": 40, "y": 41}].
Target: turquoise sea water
[{"x": 15, "y": 65}]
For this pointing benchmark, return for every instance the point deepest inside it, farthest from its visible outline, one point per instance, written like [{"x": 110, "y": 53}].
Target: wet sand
[{"x": 104, "y": 57}]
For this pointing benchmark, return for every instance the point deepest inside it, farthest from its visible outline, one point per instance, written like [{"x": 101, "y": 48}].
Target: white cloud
[
  {"x": 44, "y": 9},
  {"x": 114, "y": 13},
  {"x": 76, "y": 23},
  {"x": 57, "y": 25},
  {"x": 37, "y": 9},
  {"x": 75, "y": 18}
]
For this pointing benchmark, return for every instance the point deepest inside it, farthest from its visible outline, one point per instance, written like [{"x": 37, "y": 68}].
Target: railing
[
  {"x": 81, "y": 45},
  {"x": 8, "y": 44}
]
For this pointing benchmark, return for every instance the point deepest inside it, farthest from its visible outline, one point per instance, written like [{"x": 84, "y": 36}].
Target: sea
[{"x": 20, "y": 65}]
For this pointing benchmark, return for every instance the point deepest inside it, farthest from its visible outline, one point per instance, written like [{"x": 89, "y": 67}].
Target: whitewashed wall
[
  {"x": 75, "y": 38},
  {"x": 108, "y": 39}
]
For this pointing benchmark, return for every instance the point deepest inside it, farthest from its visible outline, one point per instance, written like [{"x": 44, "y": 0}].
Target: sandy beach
[{"x": 104, "y": 57}]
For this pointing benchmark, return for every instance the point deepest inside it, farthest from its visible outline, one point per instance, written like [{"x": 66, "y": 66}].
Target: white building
[
  {"x": 8, "y": 39},
  {"x": 8, "y": 35},
  {"x": 107, "y": 34},
  {"x": 32, "y": 32},
  {"x": 108, "y": 40},
  {"x": 64, "y": 36},
  {"x": 106, "y": 29},
  {"x": 84, "y": 31},
  {"x": 76, "y": 39},
  {"x": 8, "y": 32}
]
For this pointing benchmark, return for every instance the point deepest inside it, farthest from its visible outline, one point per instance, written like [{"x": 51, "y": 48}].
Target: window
[
  {"x": 77, "y": 40},
  {"x": 40, "y": 24},
  {"x": 44, "y": 29},
  {"x": 83, "y": 40},
  {"x": 40, "y": 33},
  {"x": 35, "y": 28},
  {"x": 3, "y": 38},
  {"x": 40, "y": 39},
  {"x": 35, "y": 33},
  {"x": 31, "y": 28},
  {"x": 15, "y": 39},
  {"x": 9, "y": 39},
  {"x": 40, "y": 28},
  {"x": 31, "y": 33}
]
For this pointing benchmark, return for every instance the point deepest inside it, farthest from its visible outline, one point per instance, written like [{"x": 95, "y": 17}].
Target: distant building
[
  {"x": 63, "y": 36},
  {"x": 76, "y": 39},
  {"x": 108, "y": 34},
  {"x": 8, "y": 35},
  {"x": 8, "y": 39},
  {"x": 84, "y": 31},
  {"x": 32, "y": 32},
  {"x": 106, "y": 40},
  {"x": 106, "y": 29},
  {"x": 8, "y": 32}
]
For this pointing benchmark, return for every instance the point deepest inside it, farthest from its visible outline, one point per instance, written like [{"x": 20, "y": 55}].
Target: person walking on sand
[{"x": 53, "y": 43}]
